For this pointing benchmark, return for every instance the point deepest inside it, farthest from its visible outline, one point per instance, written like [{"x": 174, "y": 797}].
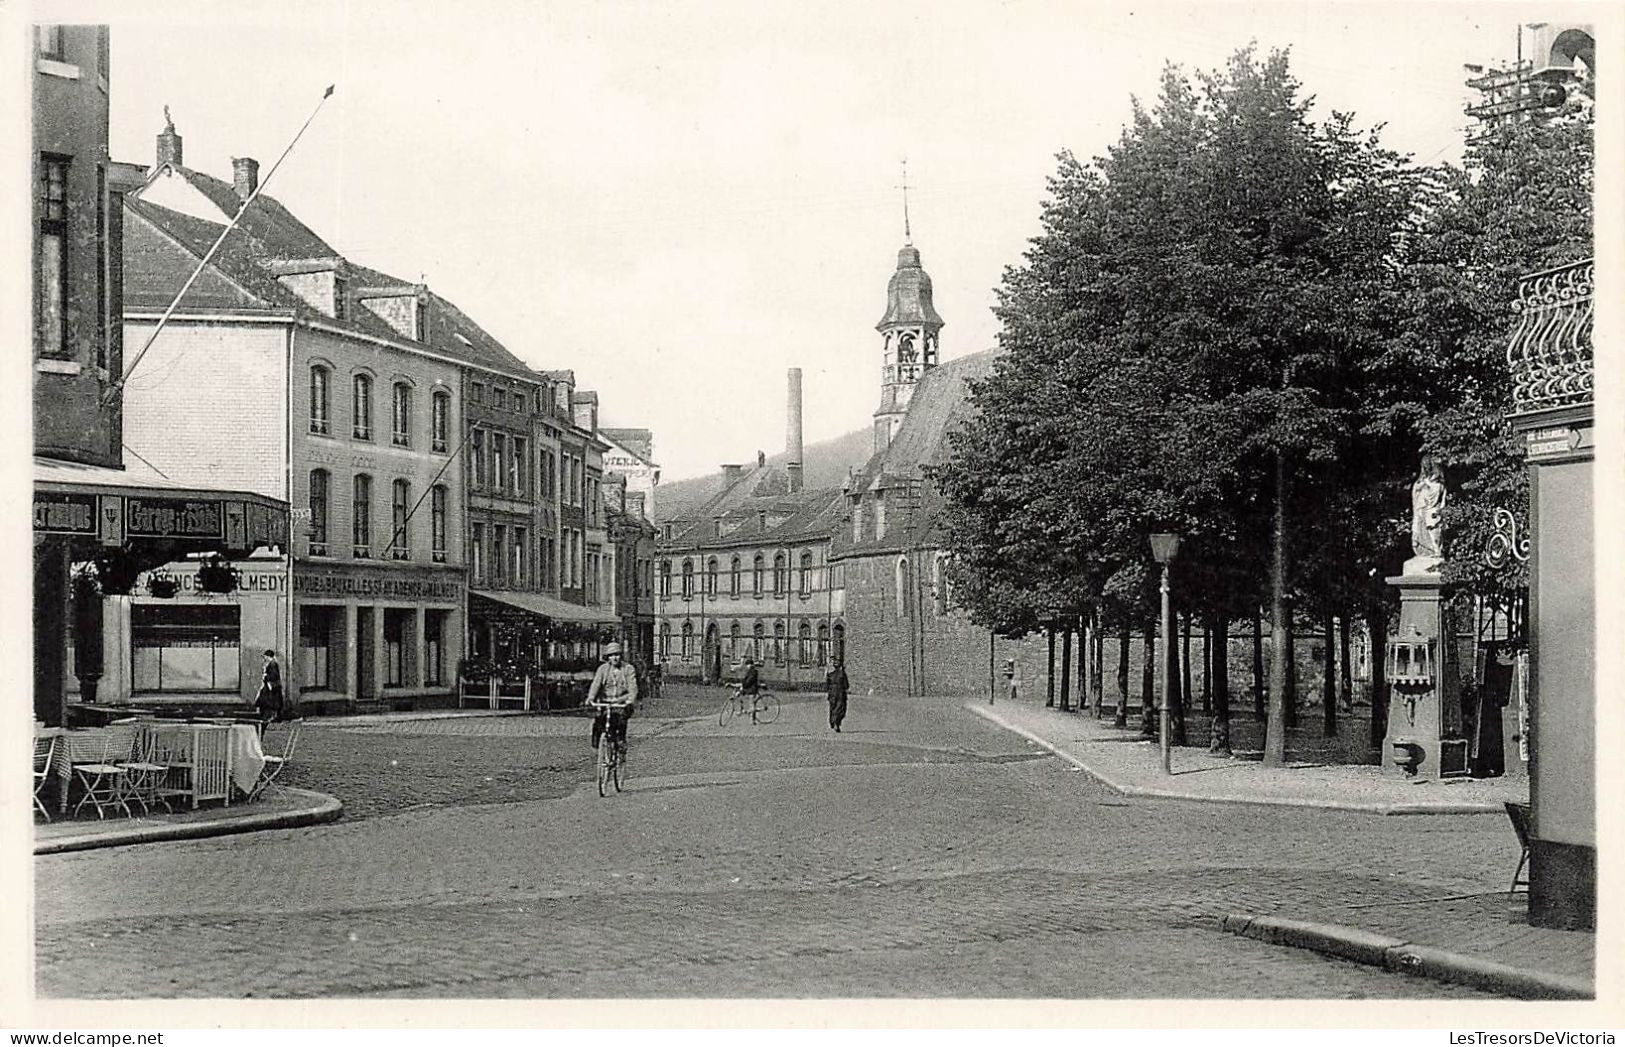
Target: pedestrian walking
[
  {"x": 268, "y": 702},
  {"x": 836, "y": 686}
]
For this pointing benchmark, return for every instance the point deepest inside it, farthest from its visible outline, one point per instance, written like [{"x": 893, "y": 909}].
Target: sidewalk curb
[
  {"x": 1149, "y": 792},
  {"x": 1423, "y": 961},
  {"x": 319, "y": 808}
]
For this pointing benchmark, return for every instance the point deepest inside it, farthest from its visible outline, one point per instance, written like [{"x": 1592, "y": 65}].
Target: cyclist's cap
[{"x": 613, "y": 648}]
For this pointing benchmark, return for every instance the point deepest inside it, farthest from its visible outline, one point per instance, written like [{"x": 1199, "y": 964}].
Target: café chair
[
  {"x": 145, "y": 775},
  {"x": 105, "y": 781},
  {"x": 44, "y": 758},
  {"x": 274, "y": 764}
]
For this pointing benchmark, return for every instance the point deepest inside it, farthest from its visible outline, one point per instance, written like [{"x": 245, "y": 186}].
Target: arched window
[
  {"x": 939, "y": 583},
  {"x": 665, "y": 579},
  {"x": 361, "y": 408},
  {"x": 840, "y": 642},
  {"x": 688, "y": 579},
  {"x": 823, "y": 642},
  {"x": 733, "y": 642},
  {"x": 400, "y": 539},
  {"x": 757, "y": 640},
  {"x": 711, "y": 576},
  {"x": 804, "y": 638},
  {"x": 756, "y": 574},
  {"x": 806, "y": 573},
  {"x": 318, "y": 512},
  {"x": 778, "y": 574},
  {"x": 665, "y": 637},
  {"x": 437, "y": 522},
  {"x": 778, "y": 643},
  {"x": 733, "y": 577},
  {"x": 440, "y": 438},
  {"x": 905, "y": 594},
  {"x": 688, "y": 640},
  {"x": 319, "y": 399},
  {"x": 401, "y": 430},
  {"x": 361, "y": 517}
]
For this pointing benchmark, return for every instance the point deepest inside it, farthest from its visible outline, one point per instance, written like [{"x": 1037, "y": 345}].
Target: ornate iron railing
[{"x": 1550, "y": 352}]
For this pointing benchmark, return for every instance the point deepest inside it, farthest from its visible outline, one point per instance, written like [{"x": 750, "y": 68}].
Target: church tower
[{"x": 909, "y": 330}]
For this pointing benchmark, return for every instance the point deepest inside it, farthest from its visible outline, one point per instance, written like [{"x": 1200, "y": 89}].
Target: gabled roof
[
  {"x": 825, "y": 464},
  {"x": 266, "y": 219},
  {"x": 757, "y": 508},
  {"x": 637, "y": 442}
]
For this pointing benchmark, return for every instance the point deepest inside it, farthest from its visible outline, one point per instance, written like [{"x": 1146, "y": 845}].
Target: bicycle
[
  {"x": 764, "y": 708},
  {"x": 611, "y": 751}
]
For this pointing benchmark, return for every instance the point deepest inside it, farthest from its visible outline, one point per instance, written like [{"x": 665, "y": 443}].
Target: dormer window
[
  {"x": 50, "y": 42},
  {"x": 341, "y": 298},
  {"x": 422, "y": 317}
]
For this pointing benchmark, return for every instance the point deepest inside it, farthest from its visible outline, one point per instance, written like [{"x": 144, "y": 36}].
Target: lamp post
[{"x": 1164, "y": 548}]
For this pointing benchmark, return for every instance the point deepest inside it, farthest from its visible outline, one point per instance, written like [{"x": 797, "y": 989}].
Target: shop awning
[
  {"x": 112, "y": 506},
  {"x": 548, "y": 606}
]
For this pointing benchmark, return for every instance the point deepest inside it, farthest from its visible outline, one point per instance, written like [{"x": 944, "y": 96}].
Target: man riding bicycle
[{"x": 614, "y": 685}]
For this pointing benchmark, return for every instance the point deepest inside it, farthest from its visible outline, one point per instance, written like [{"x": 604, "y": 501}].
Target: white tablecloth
[{"x": 247, "y": 758}]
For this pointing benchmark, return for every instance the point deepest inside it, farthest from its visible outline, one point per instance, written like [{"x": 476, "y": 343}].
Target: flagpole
[{"x": 113, "y": 390}]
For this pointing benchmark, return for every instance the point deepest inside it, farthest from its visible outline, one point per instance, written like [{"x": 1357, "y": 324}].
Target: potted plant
[{"x": 163, "y": 586}]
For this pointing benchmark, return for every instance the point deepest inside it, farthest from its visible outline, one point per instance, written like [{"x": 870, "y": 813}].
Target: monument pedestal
[{"x": 1423, "y": 740}]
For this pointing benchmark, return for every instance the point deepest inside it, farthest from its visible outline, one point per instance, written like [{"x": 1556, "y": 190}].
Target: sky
[{"x": 681, "y": 200}]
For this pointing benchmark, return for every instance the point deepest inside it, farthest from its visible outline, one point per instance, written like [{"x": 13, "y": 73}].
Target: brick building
[{"x": 275, "y": 373}]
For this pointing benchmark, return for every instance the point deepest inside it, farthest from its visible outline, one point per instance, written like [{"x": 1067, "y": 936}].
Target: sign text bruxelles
[
  {"x": 306, "y": 584},
  {"x": 173, "y": 517}
]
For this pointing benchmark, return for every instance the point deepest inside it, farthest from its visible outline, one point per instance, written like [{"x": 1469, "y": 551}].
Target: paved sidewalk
[
  {"x": 1119, "y": 758},
  {"x": 279, "y": 807}
]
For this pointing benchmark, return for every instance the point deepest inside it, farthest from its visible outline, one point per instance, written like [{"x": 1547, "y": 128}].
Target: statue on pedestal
[{"x": 1427, "y": 519}]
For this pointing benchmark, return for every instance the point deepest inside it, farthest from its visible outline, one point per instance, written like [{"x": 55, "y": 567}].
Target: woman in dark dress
[
  {"x": 269, "y": 700},
  {"x": 835, "y": 686}
]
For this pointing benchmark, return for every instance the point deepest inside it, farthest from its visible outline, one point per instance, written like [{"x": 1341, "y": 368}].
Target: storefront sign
[
  {"x": 266, "y": 526},
  {"x": 65, "y": 513},
  {"x": 1542, "y": 443},
  {"x": 270, "y": 579},
  {"x": 173, "y": 518},
  {"x": 376, "y": 586}
]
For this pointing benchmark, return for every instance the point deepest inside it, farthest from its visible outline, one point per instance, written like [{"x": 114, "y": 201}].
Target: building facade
[{"x": 630, "y": 456}]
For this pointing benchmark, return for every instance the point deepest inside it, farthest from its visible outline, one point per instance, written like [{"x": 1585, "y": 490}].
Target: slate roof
[
  {"x": 639, "y": 442},
  {"x": 268, "y": 239},
  {"x": 755, "y": 510},
  {"x": 825, "y": 464}
]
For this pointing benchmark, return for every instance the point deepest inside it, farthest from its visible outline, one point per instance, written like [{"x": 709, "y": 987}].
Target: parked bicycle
[
  {"x": 762, "y": 707},
  {"x": 611, "y": 748}
]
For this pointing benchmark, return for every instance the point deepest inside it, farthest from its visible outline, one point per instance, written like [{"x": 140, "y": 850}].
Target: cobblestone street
[{"x": 921, "y": 852}]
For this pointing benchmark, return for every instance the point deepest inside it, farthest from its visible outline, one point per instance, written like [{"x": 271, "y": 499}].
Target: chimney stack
[
  {"x": 169, "y": 143},
  {"x": 245, "y": 176},
  {"x": 792, "y": 435}
]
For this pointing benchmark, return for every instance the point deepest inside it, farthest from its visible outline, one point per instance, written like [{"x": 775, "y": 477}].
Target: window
[
  {"x": 53, "y": 252},
  {"x": 499, "y": 475},
  {"x": 823, "y": 643},
  {"x": 50, "y": 42},
  {"x": 665, "y": 639},
  {"x": 361, "y": 407},
  {"x": 665, "y": 579},
  {"x": 521, "y": 551},
  {"x": 479, "y": 392},
  {"x": 880, "y": 515},
  {"x": 804, "y": 642},
  {"x": 806, "y": 574},
  {"x": 711, "y": 577},
  {"x": 318, "y": 512},
  {"x": 756, "y": 643},
  {"x": 519, "y": 402},
  {"x": 499, "y": 553},
  {"x": 733, "y": 577},
  {"x": 733, "y": 642},
  {"x": 688, "y": 640},
  {"x": 402, "y": 542},
  {"x": 688, "y": 579},
  {"x": 316, "y": 630},
  {"x": 778, "y": 643},
  {"x": 341, "y": 297},
  {"x": 401, "y": 435},
  {"x": 423, "y": 320},
  {"x": 477, "y": 455},
  {"x": 434, "y": 647},
  {"x": 101, "y": 265},
  {"x": 441, "y": 422},
  {"x": 437, "y": 523},
  {"x": 779, "y": 580},
  {"x": 361, "y": 517},
  {"x": 396, "y": 626},
  {"x": 476, "y": 552},
  {"x": 499, "y": 399},
  {"x": 518, "y": 467},
  {"x": 181, "y": 648},
  {"x": 756, "y": 575},
  {"x": 319, "y": 418},
  {"x": 905, "y": 594},
  {"x": 857, "y": 520}
]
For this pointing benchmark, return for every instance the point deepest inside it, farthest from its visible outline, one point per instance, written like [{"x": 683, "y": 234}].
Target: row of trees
[{"x": 1245, "y": 326}]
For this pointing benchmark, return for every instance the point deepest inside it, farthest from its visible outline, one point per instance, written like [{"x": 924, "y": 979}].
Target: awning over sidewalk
[
  {"x": 548, "y": 606},
  {"x": 112, "y": 506}
]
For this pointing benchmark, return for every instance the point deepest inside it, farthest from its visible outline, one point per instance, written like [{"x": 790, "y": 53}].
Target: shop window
[
  {"x": 398, "y": 642},
  {"x": 316, "y": 647},
  {"x": 434, "y": 647},
  {"x": 185, "y": 648}
]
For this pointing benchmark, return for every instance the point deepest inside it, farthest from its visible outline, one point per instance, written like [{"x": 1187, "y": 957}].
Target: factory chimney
[{"x": 792, "y": 435}]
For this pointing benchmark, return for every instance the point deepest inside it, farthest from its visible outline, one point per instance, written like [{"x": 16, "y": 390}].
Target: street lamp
[{"x": 1164, "y": 548}]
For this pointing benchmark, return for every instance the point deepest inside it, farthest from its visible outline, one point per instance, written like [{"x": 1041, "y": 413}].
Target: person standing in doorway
[
  {"x": 268, "y": 703},
  {"x": 836, "y": 686}
]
